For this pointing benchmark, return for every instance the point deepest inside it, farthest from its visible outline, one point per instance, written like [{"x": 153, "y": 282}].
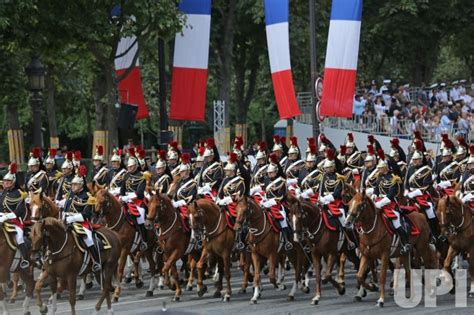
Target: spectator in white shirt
[{"x": 454, "y": 93}]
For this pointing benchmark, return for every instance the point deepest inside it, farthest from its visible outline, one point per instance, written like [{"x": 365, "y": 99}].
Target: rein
[
  {"x": 457, "y": 229},
  {"x": 103, "y": 213}
]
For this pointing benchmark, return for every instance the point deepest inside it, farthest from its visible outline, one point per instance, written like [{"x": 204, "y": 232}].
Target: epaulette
[
  {"x": 396, "y": 179},
  {"x": 340, "y": 177},
  {"x": 23, "y": 194},
  {"x": 91, "y": 199},
  {"x": 147, "y": 176},
  {"x": 58, "y": 175}
]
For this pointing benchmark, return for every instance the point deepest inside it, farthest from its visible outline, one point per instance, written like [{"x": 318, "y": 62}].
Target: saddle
[
  {"x": 330, "y": 221},
  {"x": 9, "y": 232},
  {"x": 183, "y": 216},
  {"x": 78, "y": 232},
  {"x": 407, "y": 225},
  {"x": 274, "y": 222}
]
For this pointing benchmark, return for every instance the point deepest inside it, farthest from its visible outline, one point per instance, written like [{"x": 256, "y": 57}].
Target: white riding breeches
[
  {"x": 283, "y": 222},
  {"x": 141, "y": 218},
  {"x": 396, "y": 222},
  {"x": 430, "y": 211},
  {"x": 88, "y": 238},
  {"x": 342, "y": 217},
  {"x": 19, "y": 235}
]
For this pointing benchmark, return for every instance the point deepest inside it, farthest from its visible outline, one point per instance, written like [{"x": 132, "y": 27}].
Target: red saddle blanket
[
  {"x": 331, "y": 226},
  {"x": 414, "y": 230}
]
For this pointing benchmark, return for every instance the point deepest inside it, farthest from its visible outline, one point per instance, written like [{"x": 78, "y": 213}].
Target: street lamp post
[
  {"x": 35, "y": 72},
  {"x": 314, "y": 68}
]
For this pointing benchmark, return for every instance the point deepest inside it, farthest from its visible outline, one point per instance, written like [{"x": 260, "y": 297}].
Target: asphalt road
[{"x": 133, "y": 301}]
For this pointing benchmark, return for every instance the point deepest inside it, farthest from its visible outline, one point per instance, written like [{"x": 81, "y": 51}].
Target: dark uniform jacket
[
  {"x": 64, "y": 186},
  {"x": 35, "y": 181},
  {"x": 186, "y": 189},
  {"x": 79, "y": 203},
  {"x": 12, "y": 200},
  {"x": 134, "y": 183}
]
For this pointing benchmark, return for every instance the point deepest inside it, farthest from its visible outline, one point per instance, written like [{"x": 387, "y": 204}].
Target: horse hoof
[
  {"x": 314, "y": 302},
  {"x": 282, "y": 287},
  {"x": 189, "y": 288},
  {"x": 139, "y": 284},
  {"x": 471, "y": 295},
  {"x": 217, "y": 294},
  {"x": 253, "y": 301},
  {"x": 342, "y": 291},
  {"x": 58, "y": 296},
  {"x": 364, "y": 293},
  {"x": 80, "y": 297},
  {"x": 116, "y": 299},
  {"x": 128, "y": 279},
  {"x": 11, "y": 301},
  {"x": 149, "y": 294},
  {"x": 202, "y": 291},
  {"x": 265, "y": 271},
  {"x": 324, "y": 281},
  {"x": 357, "y": 299},
  {"x": 226, "y": 298},
  {"x": 176, "y": 299},
  {"x": 242, "y": 291},
  {"x": 89, "y": 285},
  {"x": 373, "y": 287},
  {"x": 44, "y": 310},
  {"x": 162, "y": 287},
  {"x": 305, "y": 290},
  {"x": 290, "y": 298},
  {"x": 380, "y": 304}
]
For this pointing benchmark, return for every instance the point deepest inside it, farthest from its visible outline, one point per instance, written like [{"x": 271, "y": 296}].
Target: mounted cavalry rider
[
  {"x": 64, "y": 185},
  {"x": 36, "y": 178},
  {"x": 310, "y": 176},
  {"x": 13, "y": 210},
  {"x": 418, "y": 184},
  {"x": 398, "y": 155},
  {"x": 369, "y": 172},
  {"x": 116, "y": 173},
  {"x": 163, "y": 179},
  {"x": 211, "y": 174},
  {"x": 467, "y": 182},
  {"x": 232, "y": 187},
  {"x": 385, "y": 196},
  {"x": 76, "y": 161},
  {"x": 199, "y": 162},
  {"x": 257, "y": 183},
  {"x": 100, "y": 171},
  {"x": 79, "y": 209},
  {"x": 353, "y": 157},
  {"x": 239, "y": 150},
  {"x": 132, "y": 194},
  {"x": 140, "y": 154},
  {"x": 462, "y": 153},
  {"x": 447, "y": 171},
  {"x": 275, "y": 195},
  {"x": 277, "y": 149},
  {"x": 173, "y": 156},
  {"x": 52, "y": 170},
  {"x": 293, "y": 166}
]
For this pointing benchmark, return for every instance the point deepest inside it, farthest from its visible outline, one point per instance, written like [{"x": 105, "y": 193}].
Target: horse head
[
  {"x": 358, "y": 206},
  {"x": 41, "y": 206},
  {"x": 242, "y": 209},
  {"x": 450, "y": 212},
  {"x": 157, "y": 205},
  {"x": 104, "y": 202}
]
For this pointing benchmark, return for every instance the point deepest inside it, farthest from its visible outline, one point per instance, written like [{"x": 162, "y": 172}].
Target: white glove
[
  {"x": 327, "y": 199},
  {"x": 307, "y": 193},
  {"x": 467, "y": 198},
  {"x": 355, "y": 171},
  {"x": 369, "y": 191},
  {"x": 414, "y": 193},
  {"x": 380, "y": 204},
  {"x": 269, "y": 203},
  {"x": 405, "y": 193},
  {"x": 178, "y": 203},
  {"x": 291, "y": 181},
  {"x": 3, "y": 218},
  {"x": 204, "y": 189},
  {"x": 27, "y": 200},
  {"x": 444, "y": 184},
  {"x": 125, "y": 199},
  {"x": 131, "y": 195},
  {"x": 226, "y": 200},
  {"x": 255, "y": 189},
  {"x": 61, "y": 203},
  {"x": 115, "y": 191},
  {"x": 76, "y": 217}
]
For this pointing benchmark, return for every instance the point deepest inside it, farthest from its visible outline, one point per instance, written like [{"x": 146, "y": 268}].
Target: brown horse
[
  {"x": 456, "y": 225},
  {"x": 65, "y": 260},
  {"x": 376, "y": 241},
  {"x": 206, "y": 216},
  {"x": 10, "y": 263},
  {"x": 265, "y": 243},
  {"x": 173, "y": 238},
  {"x": 42, "y": 206},
  {"x": 108, "y": 207}
]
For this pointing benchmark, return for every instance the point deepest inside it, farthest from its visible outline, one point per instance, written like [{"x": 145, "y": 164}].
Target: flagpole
[{"x": 314, "y": 68}]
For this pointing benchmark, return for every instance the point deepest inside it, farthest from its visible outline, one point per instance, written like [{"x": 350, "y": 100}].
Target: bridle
[
  {"x": 106, "y": 204},
  {"x": 453, "y": 229}
]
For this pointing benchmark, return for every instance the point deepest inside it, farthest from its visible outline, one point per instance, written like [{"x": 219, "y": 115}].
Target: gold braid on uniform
[{"x": 133, "y": 180}]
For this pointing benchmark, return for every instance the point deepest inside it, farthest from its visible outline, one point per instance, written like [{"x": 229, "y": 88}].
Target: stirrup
[
  {"x": 351, "y": 245},
  {"x": 288, "y": 246},
  {"x": 240, "y": 246},
  {"x": 405, "y": 249},
  {"x": 143, "y": 246},
  {"x": 96, "y": 267},
  {"x": 442, "y": 238},
  {"x": 24, "y": 264}
]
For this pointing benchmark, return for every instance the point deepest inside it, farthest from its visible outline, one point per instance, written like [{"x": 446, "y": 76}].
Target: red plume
[
  {"x": 77, "y": 155},
  {"x": 162, "y": 155},
  {"x": 131, "y": 151},
  {"x": 263, "y": 146},
  {"x": 13, "y": 168},
  {"x": 330, "y": 154},
  {"x": 294, "y": 141},
  {"x": 238, "y": 141},
  {"x": 69, "y": 155},
  {"x": 343, "y": 149},
  {"x": 313, "y": 149},
  {"x": 381, "y": 154},
  {"x": 419, "y": 145},
  {"x": 311, "y": 141},
  {"x": 370, "y": 149},
  {"x": 417, "y": 134},
  {"x": 120, "y": 152},
  {"x": 36, "y": 152},
  {"x": 471, "y": 149},
  {"x": 174, "y": 144},
  {"x": 82, "y": 170},
  {"x": 185, "y": 158},
  {"x": 211, "y": 143},
  {"x": 233, "y": 157},
  {"x": 202, "y": 150},
  {"x": 142, "y": 154},
  {"x": 395, "y": 142},
  {"x": 138, "y": 148},
  {"x": 53, "y": 152},
  {"x": 444, "y": 136},
  {"x": 100, "y": 150},
  {"x": 283, "y": 139},
  {"x": 371, "y": 139},
  {"x": 447, "y": 143},
  {"x": 323, "y": 139},
  {"x": 461, "y": 141},
  {"x": 273, "y": 158},
  {"x": 350, "y": 137},
  {"x": 276, "y": 139}
]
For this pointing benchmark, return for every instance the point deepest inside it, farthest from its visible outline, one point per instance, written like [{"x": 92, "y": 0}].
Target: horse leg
[
  {"x": 120, "y": 270},
  {"x": 200, "y": 268},
  {"x": 54, "y": 295},
  {"x": 37, "y": 288},
  {"x": 29, "y": 282},
  {"x": 340, "y": 269},
  {"x": 3, "y": 303},
  {"x": 244, "y": 264},
  {"x": 340, "y": 287},
  {"x": 107, "y": 275},
  {"x": 15, "y": 279},
  {"x": 137, "y": 267},
  {"x": 152, "y": 264},
  {"x": 317, "y": 273},
  {"x": 82, "y": 288},
  {"x": 226, "y": 260},
  {"x": 192, "y": 268},
  {"x": 178, "y": 292},
  {"x": 272, "y": 266},
  {"x": 72, "y": 294},
  {"x": 220, "y": 275},
  {"x": 383, "y": 275},
  {"x": 471, "y": 271},
  {"x": 256, "y": 277},
  {"x": 361, "y": 274}
]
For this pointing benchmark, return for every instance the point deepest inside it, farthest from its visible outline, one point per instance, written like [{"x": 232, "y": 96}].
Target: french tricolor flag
[
  {"x": 130, "y": 88},
  {"x": 341, "y": 58},
  {"x": 276, "y": 18},
  {"x": 191, "y": 56}
]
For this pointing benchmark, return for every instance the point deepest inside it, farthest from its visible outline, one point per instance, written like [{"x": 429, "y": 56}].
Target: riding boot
[
  {"x": 350, "y": 244},
  {"x": 405, "y": 245},
  {"x": 95, "y": 257},
  {"x": 144, "y": 235},
  {"x": 25, "y": 261},
  {"x": 286, "y": 238},
  {"x": 433, "y": 223}
]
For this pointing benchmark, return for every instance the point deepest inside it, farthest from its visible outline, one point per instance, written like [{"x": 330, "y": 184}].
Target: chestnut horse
[
  {"x": 10, "y": 263},
  {"x": 173, "y": 238},
  {"x": 108, "y": 207},
  {"x": 265, "y": 243},
  {"x": 456, "y": 225},
  {"x": 376, "y": 241},
  {"x": 64, "y": 260},
  {"x": 219, "y": 239}
]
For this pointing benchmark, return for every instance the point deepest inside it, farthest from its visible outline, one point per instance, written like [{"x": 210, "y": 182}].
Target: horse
[
  {"x": 174, "y": 239},
  {"x": 219, "y": 242},
  {"x": 108, "y": 207},
  {"x": 65, "y": 259},
  {"x": 10, "y": 263},
  {"x": 41, "y": 206},
  {"x": 456, "y": 225},
  {"x": 265, "y": 243},
  {"x": 376, "y": 241}
]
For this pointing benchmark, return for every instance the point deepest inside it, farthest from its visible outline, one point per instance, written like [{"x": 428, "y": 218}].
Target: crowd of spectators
[{"x": 400, "y": 109}]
